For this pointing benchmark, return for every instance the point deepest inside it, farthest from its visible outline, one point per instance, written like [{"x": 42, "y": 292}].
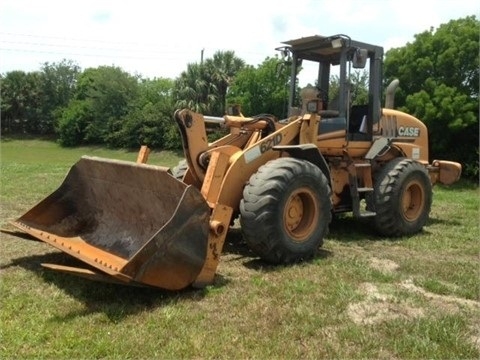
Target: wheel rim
[
  {"x": 413, "y": 201},
  {"x": 300, "y": 215}
]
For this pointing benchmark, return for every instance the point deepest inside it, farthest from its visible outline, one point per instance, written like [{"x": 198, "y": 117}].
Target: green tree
[
  {"x": 221, "y": 70},
  {"x": 359, "y": 87},
  {"x": 103, "y": 97},
  {"x": 21, "y": 102},
  {"x": 203, "y": 87},
  {"x": 439, "y": 80},
  {"x": 193, "y": 90},
  {"x": 73, "y": 122},
  {"x": 150, "y": 122},
  {"x": 58, "y": 85},
  {"x": 263, "y": 89}
]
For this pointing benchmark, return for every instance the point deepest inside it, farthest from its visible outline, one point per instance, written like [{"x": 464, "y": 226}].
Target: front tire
[
  {"x": 286, "y": 210},
  {"x": 402, "y": 198}
]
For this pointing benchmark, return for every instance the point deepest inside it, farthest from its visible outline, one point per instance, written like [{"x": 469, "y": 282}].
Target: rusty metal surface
[
  {"x": 83, "y": 273},
  {"x": 178, "y": 251},
  {"x": 133, "y": 221}
]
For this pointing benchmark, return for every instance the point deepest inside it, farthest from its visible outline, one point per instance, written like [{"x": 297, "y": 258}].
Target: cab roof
[{"x": 327, "y": 48}]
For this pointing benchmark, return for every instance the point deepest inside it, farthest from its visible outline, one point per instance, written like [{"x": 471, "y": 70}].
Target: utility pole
[{"x": 201, "y": 56}]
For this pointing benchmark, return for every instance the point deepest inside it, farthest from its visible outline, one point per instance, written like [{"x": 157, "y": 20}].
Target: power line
[
  {"x": 94, "y": 48},
  {"x": 69, "y": 39},
  {"x": 153, "y": 47},
  {"x": 65, "y": 53}
]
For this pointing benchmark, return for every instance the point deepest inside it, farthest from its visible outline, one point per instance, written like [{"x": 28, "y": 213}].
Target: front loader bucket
[{"x": 134, "y": 222}]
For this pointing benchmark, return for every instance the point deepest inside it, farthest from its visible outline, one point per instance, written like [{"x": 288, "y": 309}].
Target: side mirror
[
  {"x": 284, "y": 51},
  {"x": 359, "y": 58}
]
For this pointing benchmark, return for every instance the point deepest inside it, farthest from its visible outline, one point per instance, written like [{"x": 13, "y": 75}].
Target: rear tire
[
  {"x": 286, "y": 210},
  {"x": 402, "y": 198}
]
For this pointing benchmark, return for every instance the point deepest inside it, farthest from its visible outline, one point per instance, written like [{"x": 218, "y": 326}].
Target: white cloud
[{"x": 159, "y": 38}]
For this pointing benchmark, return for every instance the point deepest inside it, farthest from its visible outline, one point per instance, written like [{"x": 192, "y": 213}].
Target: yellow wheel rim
[
  {"x": 413, "y": 201},
  {"x": 300, "y": 216}
]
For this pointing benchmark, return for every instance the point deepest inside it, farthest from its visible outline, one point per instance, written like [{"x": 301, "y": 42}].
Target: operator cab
[{"x": 337, "y": 55}]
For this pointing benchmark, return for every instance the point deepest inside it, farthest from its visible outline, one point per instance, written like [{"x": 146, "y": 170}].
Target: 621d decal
[{"x": 265, "y": 145}]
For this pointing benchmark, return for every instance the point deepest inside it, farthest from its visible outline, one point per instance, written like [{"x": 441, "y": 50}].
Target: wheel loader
[{"x": 139, "y": 224}]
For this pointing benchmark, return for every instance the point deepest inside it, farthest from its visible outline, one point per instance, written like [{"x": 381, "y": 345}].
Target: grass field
[{"x": 363, "y": 296}]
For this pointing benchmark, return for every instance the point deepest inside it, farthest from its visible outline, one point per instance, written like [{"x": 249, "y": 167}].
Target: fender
[{"x": 307, "y": 152}]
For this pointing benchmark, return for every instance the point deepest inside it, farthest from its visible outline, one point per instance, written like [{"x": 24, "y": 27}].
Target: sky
[{"x": 158, "y": 39}]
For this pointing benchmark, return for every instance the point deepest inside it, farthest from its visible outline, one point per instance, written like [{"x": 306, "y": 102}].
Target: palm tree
[
  {"x": 221, "y": 70},
  {"x": 203, "y": 87},
  {"x": 194, "y": 90}
]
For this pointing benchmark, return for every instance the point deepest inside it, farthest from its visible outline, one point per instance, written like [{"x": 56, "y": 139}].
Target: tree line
[{"x": 438, "y": 75}]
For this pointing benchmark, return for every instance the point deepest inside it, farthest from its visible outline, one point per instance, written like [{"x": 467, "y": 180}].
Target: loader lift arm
[{"x": 229, "y": 167}]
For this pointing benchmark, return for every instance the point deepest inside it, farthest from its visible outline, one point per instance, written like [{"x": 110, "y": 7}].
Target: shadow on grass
[
  {"x": 262, "y": 267},
  {"x": 347, "y": 229},
  {"x": 116, "y": 301},
  {"x": 448, "y": 222},
  {"x": 235, "y": 245}
]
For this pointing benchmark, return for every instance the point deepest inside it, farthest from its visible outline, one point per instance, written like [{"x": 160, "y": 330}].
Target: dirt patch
[
  {"x": 383, "y": 265},
  {"x": 378, "y": 307},
  {"x": 446, "y": 302},
  {"x": 475, "y": 338}
]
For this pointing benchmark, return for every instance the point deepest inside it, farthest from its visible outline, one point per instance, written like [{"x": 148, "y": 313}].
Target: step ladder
[{"x": 360, "y": 180}]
